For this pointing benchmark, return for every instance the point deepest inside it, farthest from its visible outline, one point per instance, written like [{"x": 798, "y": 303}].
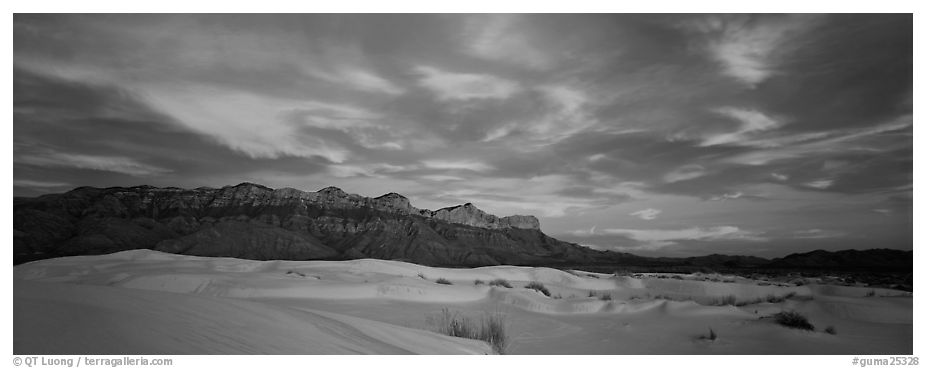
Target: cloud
[
  {"x": 830, "y": 142},
  {"x": 779, "y": 177},
  {"x": 502, "y": 37},
  {"x": 360, "y": 79},
  {"x": 683, "y": 173},
  {"x": 441, "y": 178},
  {"x": 817, "y": 234},
  {"x": 660, "y": 238},
  {"x": 820, "y": 184},
  {"x": 122, "y": 165},
  {"x": 751, "y": 122},
  {"x": 456, "y": 165},
  {"x": 255, "y": 125},
  {"x": 748, "y": 47},
  {"x": 39, "y": 184},
  {"x": 647, "y": 214},
  {"x": 464, "y": 86},
  {"x": 727, "y": 196}
]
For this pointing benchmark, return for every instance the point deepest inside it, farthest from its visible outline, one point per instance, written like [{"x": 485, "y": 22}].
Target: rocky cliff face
[
  {"x": 253, "y": 221},
  {"x": 468, "y": 214}
]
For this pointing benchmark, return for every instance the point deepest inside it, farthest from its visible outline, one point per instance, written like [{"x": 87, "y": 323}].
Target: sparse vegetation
[
  {"x": 443, "y": 281},
  {"x": 539, "y": 287},
  {"x": 500, "y": 282},
  {"x": 729, "y": 299},
  {"x": 478, "y": 282},
  {"x": 492, "y": 328},
  {"x": 778, "y": 299},
  {"x": 793, "y": 319},
  {"x": 830, "y": 330}
]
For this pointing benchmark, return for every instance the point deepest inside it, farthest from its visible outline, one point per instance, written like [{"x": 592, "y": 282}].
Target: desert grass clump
[
  {"x": 539, "y": 287},
  {"x": 500, "y": 282},
  {"x": 830, "y": 330},
  {"x": 443, "y": 281},
  {"x": 479, "y": 282},
  {"x": 492, "y": 328},
  {"x": 728, "y": 299},
  {"x": 711, "y": 335},
  {"x": 793, "y": 319}
]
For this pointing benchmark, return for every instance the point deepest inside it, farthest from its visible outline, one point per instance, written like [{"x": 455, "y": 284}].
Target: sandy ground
[{"x": 147, "y": 302}]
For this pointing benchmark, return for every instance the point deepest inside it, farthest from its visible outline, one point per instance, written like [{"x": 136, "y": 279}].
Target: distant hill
[{"x": 252, "y": 221}]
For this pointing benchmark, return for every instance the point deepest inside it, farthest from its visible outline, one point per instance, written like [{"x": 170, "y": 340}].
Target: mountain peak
[
  {"x": 391, "y": 195},
  {"x": 332, "y": 189}
]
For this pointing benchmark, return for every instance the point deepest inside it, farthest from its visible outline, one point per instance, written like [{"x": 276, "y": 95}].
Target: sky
[{"x": 658, "y": 134}]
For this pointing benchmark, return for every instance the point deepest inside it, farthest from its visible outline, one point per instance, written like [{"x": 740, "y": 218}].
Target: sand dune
[{"x": 183, "y": 304}]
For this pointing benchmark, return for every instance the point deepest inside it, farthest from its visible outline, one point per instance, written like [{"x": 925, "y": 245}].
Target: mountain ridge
[
  {"x": 253, "y": 221},
  {"x": 327, "y": 224}
]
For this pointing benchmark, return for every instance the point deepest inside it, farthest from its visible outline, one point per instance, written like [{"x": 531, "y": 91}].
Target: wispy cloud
[
  {"x": 122, "y": 165},
  {"x": 456, "y": 165},
  {"x": 659, "y": 238},
  {"x": 683, "y": 173},
  {"x": 465, "y": 86},
  {"x": 39, "y": 184},
  {"x": 817, "y": 234},
  {"x": 751, "y": 122},
  {"x": 820, "y": 184},
  {"x": 255, "y": 125},
  {"x": 746, "y": 46},
  {"x": 501, "y": 37},
  {"x": 647, "y": 214}
]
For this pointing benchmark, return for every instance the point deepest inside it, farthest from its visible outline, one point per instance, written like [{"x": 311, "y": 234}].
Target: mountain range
[{"x": 252, "y": 221}]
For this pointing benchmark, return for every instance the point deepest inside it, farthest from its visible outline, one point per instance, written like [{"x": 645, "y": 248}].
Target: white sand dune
[
  {"x": 184, "y": 304},
  {"x": 56, "y": 318}
]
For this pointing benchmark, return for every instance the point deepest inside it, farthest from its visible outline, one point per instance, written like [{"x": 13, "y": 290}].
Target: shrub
[
  {"x": 605, "y": 297},
  {"x": 443, "y": 281},
  {"x": 793, "y": 319},
  {"x": 830, "y": 330},
  {"x": 870, "y": 293},
  {"x": 500, "y": 282},
  {"x": 491, "y": 329},
  {"x": 539, "y": 287},
  {"x": 478, "y": 282}
]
